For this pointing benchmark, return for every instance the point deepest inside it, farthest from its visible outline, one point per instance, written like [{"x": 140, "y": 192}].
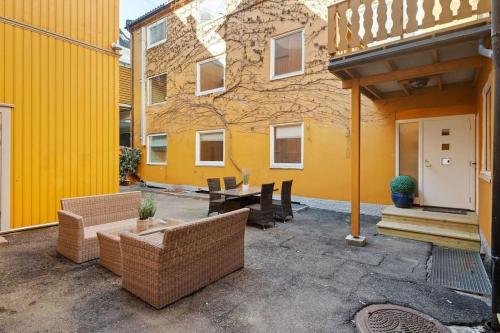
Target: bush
[
  {"x": 147, "y": 208},
  {"x": 129, "y": 162},
  {"x": 403, "y": 185}
]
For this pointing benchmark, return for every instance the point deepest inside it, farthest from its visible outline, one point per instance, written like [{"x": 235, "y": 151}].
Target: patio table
[
  {"x": 240, "y": 192},
  {"x": 238, "y": 196},
  {"x": 109, "y": 240}
]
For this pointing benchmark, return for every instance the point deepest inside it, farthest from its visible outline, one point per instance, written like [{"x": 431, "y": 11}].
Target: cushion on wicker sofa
[{"x": 91, "y": 232}]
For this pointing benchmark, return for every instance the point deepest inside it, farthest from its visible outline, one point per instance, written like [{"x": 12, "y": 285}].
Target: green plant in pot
[
  {"x": 245, "y": 174},
  {"x": 147, "y": 209},
  {"x": 403, "y": 189},
  {"x": 129, "y": 162}
]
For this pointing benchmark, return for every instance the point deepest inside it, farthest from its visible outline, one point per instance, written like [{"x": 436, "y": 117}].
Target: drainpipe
[{"x": 495, "y": 225}]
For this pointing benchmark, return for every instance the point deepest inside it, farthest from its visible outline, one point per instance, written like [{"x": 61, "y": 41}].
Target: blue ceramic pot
[{"x": 402, "y": 200}]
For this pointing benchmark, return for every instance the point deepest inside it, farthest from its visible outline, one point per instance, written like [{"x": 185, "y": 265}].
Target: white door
[{"x": 448, "y": 157}]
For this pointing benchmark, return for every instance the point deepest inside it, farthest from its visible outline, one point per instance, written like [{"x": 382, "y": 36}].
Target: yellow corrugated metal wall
[
  {"x": 65, "y": 95},
  {"x": 125, "y": 85}
]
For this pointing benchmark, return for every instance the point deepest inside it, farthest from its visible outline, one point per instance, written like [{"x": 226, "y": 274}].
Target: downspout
[
  {"x": 143, "y": 86},
  {"x": 495, "y": 223},
  {"x": 484, "y": 51}
]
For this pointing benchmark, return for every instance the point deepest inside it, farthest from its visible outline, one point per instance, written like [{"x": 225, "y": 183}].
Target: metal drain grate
[
  {"x": 459, "y": 270},
  {"x": 385, "y": 318}
]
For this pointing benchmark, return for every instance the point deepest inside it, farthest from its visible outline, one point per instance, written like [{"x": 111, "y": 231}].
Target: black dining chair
[
  {"x": 230, "y": 183},
  {"x": 283, "y": 208},
  {"x": 216, "y": 200},
  {"x": 262, "y": 213}
]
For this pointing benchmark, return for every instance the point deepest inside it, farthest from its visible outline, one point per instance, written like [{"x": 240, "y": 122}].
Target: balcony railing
[{"x": 355, "y": 25}]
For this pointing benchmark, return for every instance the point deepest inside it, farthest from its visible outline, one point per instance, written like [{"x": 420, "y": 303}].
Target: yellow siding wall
[
  {"x": 65, "y": 97},
  {"x": 125, "y": 85},
  {"x": 485, "y": 190}
]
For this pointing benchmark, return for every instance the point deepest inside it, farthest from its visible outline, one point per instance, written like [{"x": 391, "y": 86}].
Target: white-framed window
[
  {"x": 210, "y": 10},
  {"x": 157, "y": 149},
  {"x": 287, "y": 55},
  {"x": 157, "y": 33},
  {"x": 210, "y": 75},
  {"x": 157, "y": 89},
  {"x": 287, "y": 146},
  {"x": 486, "y": 155},
  {"x": 210, "y": 149}
]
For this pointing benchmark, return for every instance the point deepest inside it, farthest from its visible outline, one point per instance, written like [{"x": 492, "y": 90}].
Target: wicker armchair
[
  {"x": 283, "y": 208},
  {"x": 262, "y": 213},
  {"x": 190, "y": 257},
  {"x": 81, "y": 218},
  {"x": 216, "y": 200}
]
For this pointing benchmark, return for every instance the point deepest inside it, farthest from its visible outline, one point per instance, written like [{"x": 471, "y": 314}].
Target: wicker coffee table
[{"x": 109, "y": 240}]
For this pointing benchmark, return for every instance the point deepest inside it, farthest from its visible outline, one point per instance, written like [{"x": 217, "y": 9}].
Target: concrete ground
[{"x": 299, "y": 277}]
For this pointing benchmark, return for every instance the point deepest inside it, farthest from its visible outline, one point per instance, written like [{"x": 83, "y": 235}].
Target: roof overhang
[{"x": 441, "y": 59}]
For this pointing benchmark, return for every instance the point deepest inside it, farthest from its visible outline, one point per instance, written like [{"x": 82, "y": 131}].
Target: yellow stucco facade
[
  {"x": 253, "y": 102},
  {"x": 60, "y": 74}
]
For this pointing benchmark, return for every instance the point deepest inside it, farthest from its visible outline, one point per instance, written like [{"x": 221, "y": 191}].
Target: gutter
[{"x": 495, "y": 223}]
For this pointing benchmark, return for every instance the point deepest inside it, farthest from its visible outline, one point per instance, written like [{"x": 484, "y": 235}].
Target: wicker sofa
[
  {"x": 81, "y": 218},
  {"x": 163, "y": 268}
]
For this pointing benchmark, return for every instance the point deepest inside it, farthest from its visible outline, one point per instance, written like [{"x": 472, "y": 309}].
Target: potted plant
[
  {"x": 147, "y": 210},
  {"x": 129, "y": 162},
  {"x": 245, "y": 174},
  {"x": 403, "y": 189}
]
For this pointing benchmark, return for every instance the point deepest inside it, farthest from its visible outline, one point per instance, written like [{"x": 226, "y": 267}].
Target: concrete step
[
  {"x": 432, "y": 234},
  {"x": 452, "y": 222}
]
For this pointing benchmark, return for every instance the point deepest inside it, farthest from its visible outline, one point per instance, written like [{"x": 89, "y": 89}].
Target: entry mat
[
  {"x": 445, "y": 210},
  {"x": 460, "y": 270}
]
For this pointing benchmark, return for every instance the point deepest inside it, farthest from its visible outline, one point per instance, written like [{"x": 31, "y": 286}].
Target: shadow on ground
[{"x": 299, "y": 277}]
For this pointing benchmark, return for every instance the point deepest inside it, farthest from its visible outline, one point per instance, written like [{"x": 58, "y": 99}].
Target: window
[
  {"x": 210, "y": 148},
  {"x": 125, "y": 128},
  {"x": 157, "y": 149},
  {"x": 210, "y": 75},
  {"x": 486, "y": 140},
  {"x": 157, "y": 89},
  {"x": 287, "y": 146},
  {"x": 209, "y": 10},
  {"x": 408, "y": 150},
  {"x": 157, "y": 33},
  {"x": 287, "y": 55}
]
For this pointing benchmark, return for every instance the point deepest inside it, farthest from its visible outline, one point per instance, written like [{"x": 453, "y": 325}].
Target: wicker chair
[
  {"x": 189, "y": 257},
  {"x": 230, "y": 183},
  {"x": 262, "y": 213},
  {"x": 283, "y": 208},
  {"x": 216, "y": 200},
  {"x": 81, "y": 219}
]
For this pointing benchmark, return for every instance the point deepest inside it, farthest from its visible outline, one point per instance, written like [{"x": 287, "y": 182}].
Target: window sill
[
  {"x": 486, "y": 176},
  {"x": 287, "y": 166},
  {"x": 208, "y": 92},
  {"x": 210, "y": 164},
  {"x": 156, "y": 44},
  {"x": 285, "y": 76},
  {"x": 158, "y": 104},
  {"x": 156, "y": 164},
  {"x": 203, "y": 24}
]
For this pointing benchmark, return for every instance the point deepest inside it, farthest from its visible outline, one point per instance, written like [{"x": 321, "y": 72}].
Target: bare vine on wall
[{"x": 251, "y": 100}]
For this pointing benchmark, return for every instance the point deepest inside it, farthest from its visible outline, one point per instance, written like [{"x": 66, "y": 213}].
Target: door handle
[{"x": 427, "y": 164}]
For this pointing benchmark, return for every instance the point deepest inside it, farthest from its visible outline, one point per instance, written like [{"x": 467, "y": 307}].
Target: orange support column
[{"x": 355, "y": 237}]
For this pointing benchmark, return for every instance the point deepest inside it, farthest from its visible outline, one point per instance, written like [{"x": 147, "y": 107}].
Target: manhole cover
[{"x": 385, "y": 318}]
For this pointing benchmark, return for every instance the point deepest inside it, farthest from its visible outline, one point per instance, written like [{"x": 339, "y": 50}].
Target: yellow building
[
  {"x": 241, "y": 102},
  {"x": 58, "y": 104},
  {"x": 222, "y": 85}
]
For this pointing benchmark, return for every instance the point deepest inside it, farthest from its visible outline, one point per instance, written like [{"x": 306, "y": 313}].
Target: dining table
[{"x": 239, "y": 197}]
